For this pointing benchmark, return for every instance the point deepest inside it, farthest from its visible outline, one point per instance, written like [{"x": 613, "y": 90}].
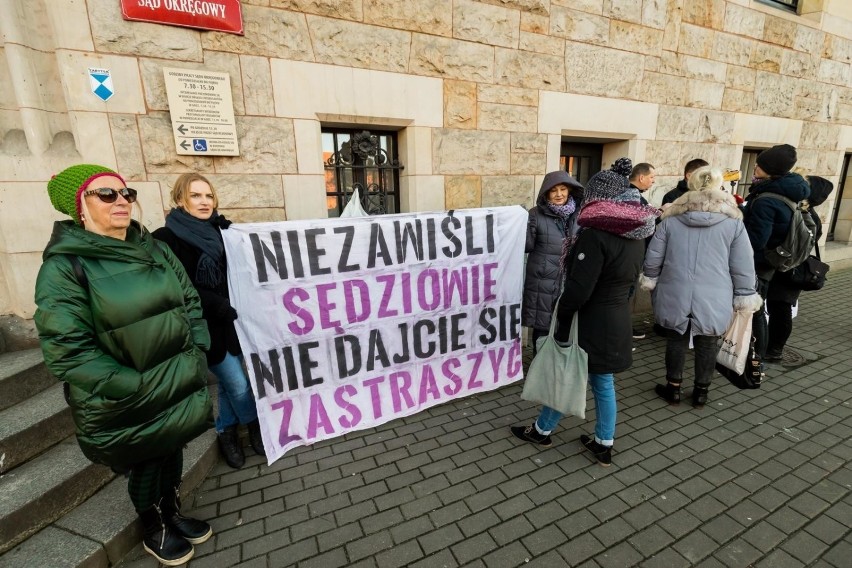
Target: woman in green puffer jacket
[{"x": 120, "y": 323}]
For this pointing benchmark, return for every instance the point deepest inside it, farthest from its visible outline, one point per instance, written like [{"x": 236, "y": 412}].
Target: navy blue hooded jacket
[{"x": 768, "y": 220}]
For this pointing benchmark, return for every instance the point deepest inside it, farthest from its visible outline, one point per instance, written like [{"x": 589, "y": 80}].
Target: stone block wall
[{"x": 481, "y": 92}]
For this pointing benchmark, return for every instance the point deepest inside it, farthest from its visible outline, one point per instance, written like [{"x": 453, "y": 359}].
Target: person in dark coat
[
  {"x": 120, "y": 325},
  {"x": 551, "y": 226},
  {"x": 699, "y": 269},
  {"x": 683, "y": 185},
  {"x": 782, "y": 293},
  {"x": 767, "y": 221},
  {"x": 602, "y": 266},
  {"x": 193, "y": 232}
]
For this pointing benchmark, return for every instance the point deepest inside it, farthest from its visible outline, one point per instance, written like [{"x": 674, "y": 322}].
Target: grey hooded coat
[
  {"x": 545, "y": 234},
  {"x": 699, "y": 261}
]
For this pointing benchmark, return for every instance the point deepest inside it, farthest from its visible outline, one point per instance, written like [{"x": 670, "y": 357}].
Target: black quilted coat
[{"x": 545, "y": 233}]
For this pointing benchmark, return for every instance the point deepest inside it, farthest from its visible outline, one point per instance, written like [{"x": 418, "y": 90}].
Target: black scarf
[{"x": 203, "y": 235}]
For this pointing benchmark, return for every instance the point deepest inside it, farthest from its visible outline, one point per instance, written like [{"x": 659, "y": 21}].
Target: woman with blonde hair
[
  {"x": 194, "y": 232},
  {"x": 699, "y": 269}
]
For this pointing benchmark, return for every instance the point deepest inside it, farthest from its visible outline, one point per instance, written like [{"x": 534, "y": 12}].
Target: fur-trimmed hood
[{"x": 705, "y": 201}]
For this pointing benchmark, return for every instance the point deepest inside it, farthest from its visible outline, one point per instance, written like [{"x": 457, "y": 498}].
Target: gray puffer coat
[
  {"x": 699, "y": 264},
  {"x": 545, "y": 233}
]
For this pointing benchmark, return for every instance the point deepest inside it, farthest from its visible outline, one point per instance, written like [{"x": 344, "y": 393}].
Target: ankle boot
[
  {"x": 530, "y": 434},
  {"x": 161, "y": 541},
  {"x": 602, "y": 453},
  {"x": 232, "y": 451},
  {"x": 255, "y": 438},
  {"x": 669, "y": 392},
  {"x": 192, "y": 530},
  {"x": 699, "y": 396}
]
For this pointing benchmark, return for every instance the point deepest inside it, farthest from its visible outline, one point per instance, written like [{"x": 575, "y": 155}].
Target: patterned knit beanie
[
  {"x": 612, "y": 184},
  {"x": 66, "y": 188}
]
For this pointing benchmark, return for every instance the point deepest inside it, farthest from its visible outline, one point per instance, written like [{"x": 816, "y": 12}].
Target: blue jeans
[
  {"x": 603, "y": 387},
  {"x": 236, "y": 401}
]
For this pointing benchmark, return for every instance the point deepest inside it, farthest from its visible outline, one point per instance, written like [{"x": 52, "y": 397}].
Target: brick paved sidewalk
[{"x": 757, "y": 478}]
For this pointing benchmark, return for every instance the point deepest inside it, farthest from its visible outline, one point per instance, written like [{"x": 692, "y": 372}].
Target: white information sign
[
  {"x": 202, "y": 112},
  {"x": 348, "y": 323}
]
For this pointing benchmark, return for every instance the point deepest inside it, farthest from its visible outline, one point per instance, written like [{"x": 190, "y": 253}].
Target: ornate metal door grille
[{"x": 364, "y": 160}]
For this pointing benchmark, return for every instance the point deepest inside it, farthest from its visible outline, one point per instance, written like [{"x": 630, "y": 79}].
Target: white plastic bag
[
  {"x": 353, "y": 208},
  {"x": 735, "y": 343}
]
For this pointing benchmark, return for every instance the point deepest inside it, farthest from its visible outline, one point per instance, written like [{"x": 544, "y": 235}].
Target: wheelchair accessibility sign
[{"x": 199, "y": 145}]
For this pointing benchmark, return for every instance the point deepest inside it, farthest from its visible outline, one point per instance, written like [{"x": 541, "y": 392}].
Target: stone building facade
[{"x": 482, "y": 95}]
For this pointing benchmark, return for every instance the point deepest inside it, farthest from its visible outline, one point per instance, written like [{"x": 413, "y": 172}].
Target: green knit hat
[{"x": 66, "y": 188}]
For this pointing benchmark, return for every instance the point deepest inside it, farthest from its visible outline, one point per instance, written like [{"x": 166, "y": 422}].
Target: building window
[
  {"x": 786, "y": 4},
  {"x": 362, "y": 160},
  {"x": 747, "y": 165}
]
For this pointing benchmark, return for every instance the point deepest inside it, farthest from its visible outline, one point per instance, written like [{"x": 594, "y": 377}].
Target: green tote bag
[{"x": 557, "y": 376}]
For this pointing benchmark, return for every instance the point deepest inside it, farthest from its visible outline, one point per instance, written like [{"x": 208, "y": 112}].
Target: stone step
[
  {"x": 22, "y": 374},
  {"x": 35, "y": 494},
  {"x": 102, "y": 530},
  {"x": 32, "y": 426}
]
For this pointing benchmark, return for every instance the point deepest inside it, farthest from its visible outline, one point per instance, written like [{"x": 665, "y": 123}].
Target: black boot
[
  {"x": 530, "y": 434},
  {"x": 232, "y": 451},
  {"x": 193, "y": 531},
  {"x": 602, "y": 453},
  {"x": 699, "y": 396},
  {"x": 161, "y": 541},
  {"x": 255, "y": 439},
  {"x": 669, "y": 392}
]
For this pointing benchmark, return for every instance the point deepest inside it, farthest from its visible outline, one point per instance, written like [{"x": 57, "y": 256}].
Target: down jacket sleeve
[
  {"x": 67, "y": 335},
  {"x": 759, "y": 220},
  {"x": 741, "y": 263},
  {"x": 532, "y": 231},
  {"x": 656, "y": 252},
  {"x": 200, "y": 333}
]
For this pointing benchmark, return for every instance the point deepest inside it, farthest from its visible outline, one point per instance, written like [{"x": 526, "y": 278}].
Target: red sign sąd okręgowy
[{"x": 219, "y": 15}]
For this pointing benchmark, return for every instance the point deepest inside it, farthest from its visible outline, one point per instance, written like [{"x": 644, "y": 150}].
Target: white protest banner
[{"x": 348, "y": 323}]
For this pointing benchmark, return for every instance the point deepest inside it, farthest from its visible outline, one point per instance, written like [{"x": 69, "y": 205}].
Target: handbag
[
  {"x": 811, "y": 274},
  {"x": 558, "y": 375},
  {"x": 751, "y": 377},
  {"x": 735, "y": 343}
]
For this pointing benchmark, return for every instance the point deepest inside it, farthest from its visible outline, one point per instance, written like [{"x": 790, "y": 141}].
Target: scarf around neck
[
  {"x": 626, "y": 219},
  {"x": 203, "y": 235},
  {"x": 562, "y": 211}
]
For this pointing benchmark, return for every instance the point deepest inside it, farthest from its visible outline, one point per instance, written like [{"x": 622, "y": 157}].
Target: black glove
[
  {"x": 227, "y": 313},
  {"x": 562, "y": 334}
]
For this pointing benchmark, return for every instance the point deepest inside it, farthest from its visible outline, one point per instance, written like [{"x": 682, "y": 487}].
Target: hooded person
[
  {"x": 783, "y": 293},
  {"x": 551, "y": 227},
  {"x": 120, "y": 325},
  {"x": 767, "y": 221},
  {"x": 699, "y": 270},
  {"x": 601, "y": 267}
]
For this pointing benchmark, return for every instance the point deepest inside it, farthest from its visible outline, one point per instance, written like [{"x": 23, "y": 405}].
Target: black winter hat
[
  {"x": 821, "y": 188},
  {"x": 778, "y": 160}
]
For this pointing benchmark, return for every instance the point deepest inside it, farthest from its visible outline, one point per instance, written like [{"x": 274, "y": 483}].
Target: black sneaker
[
  {"x": 602, "y": 453},
  {"x": 530, "y": 434},
  {"x": 638, "y": 334}
]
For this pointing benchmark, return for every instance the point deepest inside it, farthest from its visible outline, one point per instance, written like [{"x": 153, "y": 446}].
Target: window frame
[{"x": 371, "y": 165}]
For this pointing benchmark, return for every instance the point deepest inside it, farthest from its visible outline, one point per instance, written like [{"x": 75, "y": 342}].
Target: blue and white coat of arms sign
[{"x": 101, "y": 83}]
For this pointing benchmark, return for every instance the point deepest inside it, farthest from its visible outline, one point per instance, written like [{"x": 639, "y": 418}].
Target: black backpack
[{"x": 799, "y": 241}]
